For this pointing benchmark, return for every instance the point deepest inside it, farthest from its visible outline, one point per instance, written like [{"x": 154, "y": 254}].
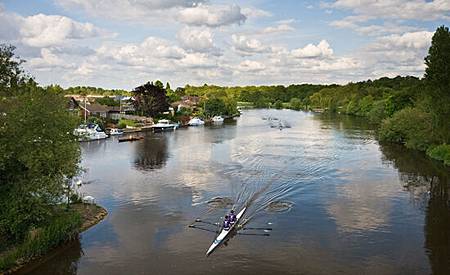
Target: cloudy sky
[{"x": 124, "y": 43}]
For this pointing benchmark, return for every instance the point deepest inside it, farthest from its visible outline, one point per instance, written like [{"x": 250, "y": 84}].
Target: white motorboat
[
  {"x": 115, "y": 132},
  {"x": 89, "y": 132},
  {"x": 164, "y": 125},
  {"x": 217, "y": 119},
  {"x": 224, "y": 233},
  {"x": 196, "y": 122}
]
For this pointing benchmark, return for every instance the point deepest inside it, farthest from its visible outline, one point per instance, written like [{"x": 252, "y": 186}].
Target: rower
[
  {"x": 232, "y": 217},
  {"x": 226, "y": 223}
]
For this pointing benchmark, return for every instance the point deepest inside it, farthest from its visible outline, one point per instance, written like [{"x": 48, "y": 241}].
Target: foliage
[
  {"x": 38, "y": 155},
  {"x": 88, "y": 90},
  {"x": 108, "y": 101},
  {"x": 151, "y": 99},
  {"x": 437, "y": 76},
  {"x": 258, "y": 96},
  {"x": 123, "y": 123},
  {"x": 97, "y": 120},
  {"x": 12, "y": 76},
  {"x": 410, "y": 126},
  {"x": 61, "y": 227},
  {"x": 214, "y": 107},
  {"x": 438, "y": 60},
  {"x": 440, "y": 152},
  {"x": 278, "y": 104},
  {"x": 295, "y": 104}
]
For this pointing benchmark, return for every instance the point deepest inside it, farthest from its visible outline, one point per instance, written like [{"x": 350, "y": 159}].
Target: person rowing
[
  {"x": 226, "y": 223},
  {"x": 232, "y": 217}
]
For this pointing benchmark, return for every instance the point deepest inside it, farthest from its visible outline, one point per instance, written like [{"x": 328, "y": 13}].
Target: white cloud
[
  {"x": 397, "y": 54},
  {"x": 255, "y": 13},
  {"x": 47, "y": 60},
  {"x": 46, "y": 30},
  {"x": 196, "y": 39},
  {"x": 396, "y": 9},
  {"x": 279, "y": 28},
  {"x": 250, "y": 66},
  {"x": 414, "y": 40},
  {"x": 355, "y": 23},
  {"x": 132, "y": 10},
  {"x": 244, "y": 45},
  {"x": 321, "y": 50},
  {"x": 212, "y": 16}
]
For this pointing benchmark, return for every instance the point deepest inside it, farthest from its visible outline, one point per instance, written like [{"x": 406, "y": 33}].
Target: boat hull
[{"x": 224, "y": 233}]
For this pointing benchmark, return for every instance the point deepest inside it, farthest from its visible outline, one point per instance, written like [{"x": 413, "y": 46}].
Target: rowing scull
[{"x": 224, "y": 233}]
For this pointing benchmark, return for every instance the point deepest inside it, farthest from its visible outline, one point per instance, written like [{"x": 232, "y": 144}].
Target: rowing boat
[{"x": 224, "y": 233}]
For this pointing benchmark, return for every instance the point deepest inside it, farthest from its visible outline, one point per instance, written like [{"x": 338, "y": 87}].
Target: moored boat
[
  {"x": 217, "y": 119},
  {"x": 89, "y": 132},
  {"x": 115, "y": 132},
  {"x": 196, "y": 122},
  {"x": 164, "y": 125}
]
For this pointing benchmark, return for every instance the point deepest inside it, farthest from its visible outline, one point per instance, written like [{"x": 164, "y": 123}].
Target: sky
[{"x": 125, "y": 43}]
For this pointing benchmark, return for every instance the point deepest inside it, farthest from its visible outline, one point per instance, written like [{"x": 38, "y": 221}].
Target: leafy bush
[
  {"x": 278, "y": 104},
  {"x": 378, "y": 112},
  {"x": 410, "y": 126},
  {"x": 295, "y": 104},
  {"x": 440, "y": 152}
]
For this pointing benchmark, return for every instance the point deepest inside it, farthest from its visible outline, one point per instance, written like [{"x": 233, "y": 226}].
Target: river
[{"x": 337, "y": 202}]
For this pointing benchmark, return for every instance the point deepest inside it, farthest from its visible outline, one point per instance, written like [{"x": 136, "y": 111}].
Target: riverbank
[{"x": 42, "y": 241}]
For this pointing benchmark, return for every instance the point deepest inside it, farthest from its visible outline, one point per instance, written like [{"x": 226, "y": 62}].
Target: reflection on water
[
  {"x": 356, "y": 207},
  {"x": 429, "y": 185},
  {"x": 151, "y": 153}
]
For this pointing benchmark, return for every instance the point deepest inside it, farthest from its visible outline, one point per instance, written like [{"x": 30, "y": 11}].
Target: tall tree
[
  {"x": 38, "y": 152},
  {"x": 11, "y": 73},
  {"x": 437, "y": 75},
  {"x": 150, "y": 99}
]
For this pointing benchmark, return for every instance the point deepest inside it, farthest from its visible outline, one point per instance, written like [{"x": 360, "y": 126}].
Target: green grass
[
  {"x": 65, "y": 226},
  {"x": 126, "y": 122}
]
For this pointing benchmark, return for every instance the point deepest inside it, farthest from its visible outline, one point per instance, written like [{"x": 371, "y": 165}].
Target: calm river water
[{"x": 355, "y": 206}]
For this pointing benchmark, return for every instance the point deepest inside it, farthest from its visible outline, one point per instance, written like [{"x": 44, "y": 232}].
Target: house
[
  {"x": 187, "y": 102},
  {"x": 190, "y": 100}
]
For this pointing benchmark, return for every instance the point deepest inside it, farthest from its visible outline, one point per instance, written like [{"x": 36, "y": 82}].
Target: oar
[
  {"x": 256, "y": 228},
  {"x": 254, "y": 234},
  {"x": 200, "y": 221},
  {"x": 201, "y": 228}
]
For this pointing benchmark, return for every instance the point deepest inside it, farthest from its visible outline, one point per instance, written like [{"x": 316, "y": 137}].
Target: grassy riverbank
[{"x": 64, "y": 226}]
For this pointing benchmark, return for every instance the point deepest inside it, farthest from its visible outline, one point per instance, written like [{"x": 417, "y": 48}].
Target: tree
[
  {"x": 278, "y": 104},
  {"x": 11, "y": 74},
  {"x": 437, "y": 72},
  {"x": 214, "y": 107},
  {"x": 150, "y": 99},
  {"x": 38, "y": 152},
  {"x": 295, "y": 103},
  {"x": 159, "y": 84},
  {"x": 437, "y": 75}
]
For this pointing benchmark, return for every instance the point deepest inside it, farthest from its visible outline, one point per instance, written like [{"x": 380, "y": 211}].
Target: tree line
[{"x": 38, "y": 158}]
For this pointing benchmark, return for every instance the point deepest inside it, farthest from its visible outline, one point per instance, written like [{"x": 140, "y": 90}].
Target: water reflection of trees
[
  {"x": 151, "y": 153},
  {"x": 69, "y": 255},
  {"x": 430, "y": 181}
]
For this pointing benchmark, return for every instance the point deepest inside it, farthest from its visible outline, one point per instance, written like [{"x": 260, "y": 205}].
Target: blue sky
[{"x": 124, "y": 43}]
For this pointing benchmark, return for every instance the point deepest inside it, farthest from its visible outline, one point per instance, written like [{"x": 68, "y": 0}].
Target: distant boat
[
  {"x": 217, "y": 119},
  {"x": 130, "y": 138},
  {"x": 164, "y": 125},
  {"x": 115, "y": 132},
  {"x": 196, "y": 122},
  {"x": 89, "y": 132}
]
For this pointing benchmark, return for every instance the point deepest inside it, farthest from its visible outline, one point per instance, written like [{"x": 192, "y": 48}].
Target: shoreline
[{"x": 91, "y": 215}]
